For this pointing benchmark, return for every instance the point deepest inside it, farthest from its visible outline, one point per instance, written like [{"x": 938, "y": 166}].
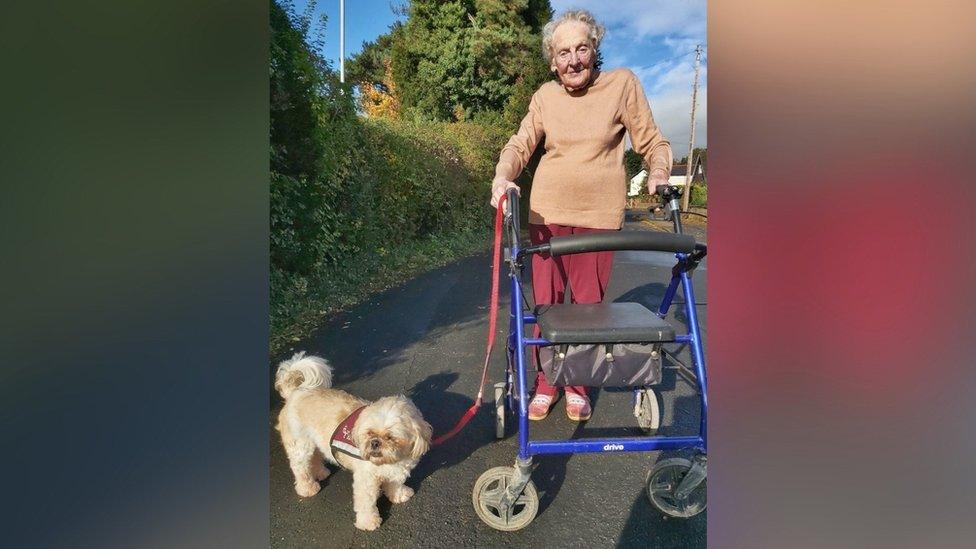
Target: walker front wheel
[
  {"x": 662, "y": 483},
  {"x": 487, "y": 499}
]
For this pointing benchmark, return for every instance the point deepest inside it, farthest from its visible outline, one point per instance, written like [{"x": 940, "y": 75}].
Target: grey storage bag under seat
[
  {"x": 602, "y": 344},
  {"x": 602, "y": 365}
]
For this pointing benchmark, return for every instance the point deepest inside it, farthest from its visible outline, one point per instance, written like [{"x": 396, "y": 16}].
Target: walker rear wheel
[
  {"x": 500, "y": 411},
  {"x": 663, "y": 481},
  {"x": 648, "y": 411},
  {"x": 487, "y": 494}
]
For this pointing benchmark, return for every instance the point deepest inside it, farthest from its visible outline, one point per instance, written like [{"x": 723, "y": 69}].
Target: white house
[
  {"x": 637, "y": 183},
  {"x": 679, "y": 174}
]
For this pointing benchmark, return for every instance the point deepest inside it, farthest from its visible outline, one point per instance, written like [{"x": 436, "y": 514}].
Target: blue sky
[
  {"x": 365, "y": 20},
  {"x": 654, "y": 38}
]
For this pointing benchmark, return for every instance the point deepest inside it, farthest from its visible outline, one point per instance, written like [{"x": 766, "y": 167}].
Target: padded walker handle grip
[{"x": 621, "y": 240}]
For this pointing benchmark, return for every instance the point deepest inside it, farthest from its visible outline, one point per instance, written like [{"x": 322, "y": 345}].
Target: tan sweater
[{"x": 581, "y": 179}]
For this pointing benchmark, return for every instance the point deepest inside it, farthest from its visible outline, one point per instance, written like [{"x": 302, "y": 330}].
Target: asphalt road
[{"x": 426, "y": 339}]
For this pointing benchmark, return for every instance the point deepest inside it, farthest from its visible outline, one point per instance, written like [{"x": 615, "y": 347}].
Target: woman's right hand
[{"x": 499, "y": 186}]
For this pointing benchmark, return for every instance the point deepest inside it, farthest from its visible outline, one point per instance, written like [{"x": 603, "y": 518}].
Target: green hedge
[
  {"x": 387, "y": 184},
  {"x": 400, "y": 192}
]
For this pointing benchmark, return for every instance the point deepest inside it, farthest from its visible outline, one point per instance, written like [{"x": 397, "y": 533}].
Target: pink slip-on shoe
[
  {"x": 577, "y": 407},
  {"x": 539, "y": 406}
]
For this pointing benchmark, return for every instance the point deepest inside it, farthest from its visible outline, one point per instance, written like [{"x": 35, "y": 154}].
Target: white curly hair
[{"x": 596, "y": 31}]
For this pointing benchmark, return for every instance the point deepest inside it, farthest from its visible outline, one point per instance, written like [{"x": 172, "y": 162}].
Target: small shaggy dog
[{"x": 380, "y": 442}]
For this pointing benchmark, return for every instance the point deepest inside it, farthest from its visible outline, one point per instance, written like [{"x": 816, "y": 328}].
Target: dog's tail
[{"x": 302, "y": 372}]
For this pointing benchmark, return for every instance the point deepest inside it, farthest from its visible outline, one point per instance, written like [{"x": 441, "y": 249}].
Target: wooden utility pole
[{"x": 691, "y": 141}]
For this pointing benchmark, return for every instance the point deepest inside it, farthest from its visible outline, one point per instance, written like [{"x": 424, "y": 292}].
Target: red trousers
[{"x": 587, "y": 274}]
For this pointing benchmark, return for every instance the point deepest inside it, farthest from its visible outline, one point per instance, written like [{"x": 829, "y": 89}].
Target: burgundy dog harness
[{"x": 342, "y": 436}]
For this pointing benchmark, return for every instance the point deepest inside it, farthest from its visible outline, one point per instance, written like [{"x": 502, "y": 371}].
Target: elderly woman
[{"x": 579, "y": 186}]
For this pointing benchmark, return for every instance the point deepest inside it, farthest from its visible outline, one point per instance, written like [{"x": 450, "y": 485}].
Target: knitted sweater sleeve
[
  {"x": 645, "y": 136},
  {"x": 516, "y": 153}
]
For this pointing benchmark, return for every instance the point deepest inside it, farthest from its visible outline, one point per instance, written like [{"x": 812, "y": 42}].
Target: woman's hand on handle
[
  {"x": 499, "y": 186},
  {"x": 656, "y": 179}
]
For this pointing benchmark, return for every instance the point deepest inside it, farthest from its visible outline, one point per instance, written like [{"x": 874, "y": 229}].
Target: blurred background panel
[
  {"x": 843, "y": 255},
  {"x": 134, "y": 325}
]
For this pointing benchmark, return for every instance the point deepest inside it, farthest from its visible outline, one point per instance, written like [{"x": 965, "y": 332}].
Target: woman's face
[{"x": 572, "y": 55}]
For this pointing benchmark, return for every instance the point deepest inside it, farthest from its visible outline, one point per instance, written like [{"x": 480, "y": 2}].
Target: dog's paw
[
  {"x": 401, "y": 494},
  {"x": 321, "y": 472},
  {"x": 368, "y": 521},
  {"x": 307, "y": 489}
]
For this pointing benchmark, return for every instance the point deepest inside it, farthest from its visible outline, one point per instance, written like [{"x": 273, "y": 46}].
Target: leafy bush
[{"x": 699, "y": 196}]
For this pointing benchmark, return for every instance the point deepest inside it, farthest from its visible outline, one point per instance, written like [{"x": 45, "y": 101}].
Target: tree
[
  {"x": 380, "y": 100},
  {"x": 633, "y": 163},
  {"x": 371, "y": 63},
  {"x": 454, "y": 59}
]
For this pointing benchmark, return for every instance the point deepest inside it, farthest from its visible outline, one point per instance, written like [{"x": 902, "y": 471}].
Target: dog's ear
[
  {"x": 356, "y": 435},
  {"x": 421, "y": 439},
  {"x": 286, "y": 381}
]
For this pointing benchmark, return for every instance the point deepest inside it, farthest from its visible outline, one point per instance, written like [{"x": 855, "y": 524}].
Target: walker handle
[
  {"x": 512, "y": 216},
  {"x": 619, "y": 240},
  {"x": 668, "y": 192},
  {"x": 669, "y": 196}
]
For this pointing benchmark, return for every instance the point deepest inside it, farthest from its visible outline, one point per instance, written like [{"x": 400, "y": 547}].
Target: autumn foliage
[{"x": 380, "y": 101}]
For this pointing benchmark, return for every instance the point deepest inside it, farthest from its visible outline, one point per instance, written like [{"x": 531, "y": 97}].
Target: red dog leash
[{"x": 492, "y": 321}]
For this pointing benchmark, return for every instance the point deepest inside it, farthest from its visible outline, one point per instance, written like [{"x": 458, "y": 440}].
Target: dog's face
[{"x": 391, "y": 430}]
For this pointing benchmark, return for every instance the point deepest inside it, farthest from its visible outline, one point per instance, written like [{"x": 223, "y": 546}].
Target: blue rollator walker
[{"x": 608, "y": 345}]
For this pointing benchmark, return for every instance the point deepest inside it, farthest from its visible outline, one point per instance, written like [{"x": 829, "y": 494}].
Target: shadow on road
[
  {"x": 647, "y": 527},
  {"x": 550, "y": 472},
  {"x": 442, "y": 409},
  {"x": 650, "y": 296},
  {"x": 372, "y": 335}
]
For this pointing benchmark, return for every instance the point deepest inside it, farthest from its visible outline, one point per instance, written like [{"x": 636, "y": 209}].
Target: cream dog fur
[{"x": 391, "y": 436}]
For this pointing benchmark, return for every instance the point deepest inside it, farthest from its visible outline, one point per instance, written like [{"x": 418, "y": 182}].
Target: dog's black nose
[{"x": 374, "y": 444}]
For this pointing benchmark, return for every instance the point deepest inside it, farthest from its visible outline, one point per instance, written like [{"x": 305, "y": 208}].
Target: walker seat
[
  {"x": 602, "y": 344},
  {"x": 602, "y": 323}
]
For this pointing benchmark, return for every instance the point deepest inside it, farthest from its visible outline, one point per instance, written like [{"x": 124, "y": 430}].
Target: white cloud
[
  {"x": 672, "y": 112},
  {"x": 682, "y": 44},
  {"x": 672, "y": 76},
  {"x": 645, "y": 18},
  {"x": 668, "y": 86}
]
